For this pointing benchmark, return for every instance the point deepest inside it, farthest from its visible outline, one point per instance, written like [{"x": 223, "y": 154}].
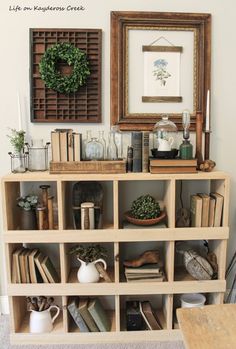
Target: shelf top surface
[{"x": 46, "y": 176}]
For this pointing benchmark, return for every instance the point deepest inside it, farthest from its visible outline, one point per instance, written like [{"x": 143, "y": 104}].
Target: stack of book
[
  {"x": 66, "y": 145},
  {"x": 140, "y": 146},
  {"x": 32, "y": 266},
  {"x": 206, "y": 210},
  {"x": 89, "y": 315},
  {"x": 145, "y": 273},
  {"x": 173, "y": 166}
]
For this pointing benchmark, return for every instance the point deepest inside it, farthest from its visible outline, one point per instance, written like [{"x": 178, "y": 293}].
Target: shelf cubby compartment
[
  {"x": 216, "y": 246},
  {"x": 71, "y": 214},
  {"x": 133, "y": 250},
  {"x": 71, "y": 264},
  {"x": 15, "y": 189},
  {"x": 50, "y": 250},
  {"x": 187, "y": 187},
  {"x": 107, "y": 303},
  {"x": 211, "y": 298},
  {"x": 160, "y": 304},
  {"x": 161, "y": 190},
  {"x": 21, "y": 316}
]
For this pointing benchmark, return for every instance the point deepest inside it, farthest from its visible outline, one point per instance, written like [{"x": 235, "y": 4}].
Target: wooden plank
[
  {"x": 156, "y": 48},
  {"x": 116, "y": 166},
  {"x": 116, "y": 235},
  {"x": 208, "y": 327},
  {"x": 117, "y": 312},
  {"x": 161, "y": 99}
]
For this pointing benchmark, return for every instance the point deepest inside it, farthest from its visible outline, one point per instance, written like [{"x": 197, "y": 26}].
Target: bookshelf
[{"x": 119, "y": 191}]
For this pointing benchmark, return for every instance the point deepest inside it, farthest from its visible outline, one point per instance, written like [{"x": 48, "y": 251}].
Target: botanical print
[{"x": 160, "y": 71}]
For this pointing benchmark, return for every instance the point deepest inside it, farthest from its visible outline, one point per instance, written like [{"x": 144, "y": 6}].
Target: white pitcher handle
[
  {"x": 102, "y": 261},
  {"x": 57, "y": 313},
  {"x": 171, "y": 141}
]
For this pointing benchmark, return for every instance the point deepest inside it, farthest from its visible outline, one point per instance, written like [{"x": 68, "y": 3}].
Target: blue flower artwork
[{"x": 160, "y": 71}]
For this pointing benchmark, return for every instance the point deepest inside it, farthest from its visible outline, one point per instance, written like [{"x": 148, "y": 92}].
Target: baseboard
[{"x": 4, "y": 305}]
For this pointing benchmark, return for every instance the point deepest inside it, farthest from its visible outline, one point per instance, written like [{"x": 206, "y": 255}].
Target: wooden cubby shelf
[{"x": 121, "y": 243}]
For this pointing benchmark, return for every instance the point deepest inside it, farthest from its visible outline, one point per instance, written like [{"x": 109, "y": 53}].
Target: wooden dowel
[
  {"x": 41, "y": 212},
  {"x": 45, "y": 188},
  {"x": 50, "y": 212}
]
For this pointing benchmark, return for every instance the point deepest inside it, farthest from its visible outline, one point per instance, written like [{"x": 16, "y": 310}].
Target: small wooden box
[{"x": 105, "y": 166}]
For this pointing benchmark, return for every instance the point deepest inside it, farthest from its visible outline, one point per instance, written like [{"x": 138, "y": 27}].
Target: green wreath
[{"x": 73, "y": 56}]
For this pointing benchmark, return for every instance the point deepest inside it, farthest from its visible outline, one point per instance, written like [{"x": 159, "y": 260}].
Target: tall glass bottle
[
  {"x": 85, "y": 141},
  {"x": 103, "y": 142},
  {"x": 112, "y": 151}
]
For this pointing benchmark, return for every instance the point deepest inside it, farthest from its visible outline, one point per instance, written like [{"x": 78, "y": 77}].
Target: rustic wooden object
[
  {"x": 115, "y": 166},
  {"x": 207, "y": 145},
  {"x": 81, "y": 106},
  {"x": 208, "y": 327},
  {"x": 198, "y": 155},
  {"x": 121, "y": 23}
]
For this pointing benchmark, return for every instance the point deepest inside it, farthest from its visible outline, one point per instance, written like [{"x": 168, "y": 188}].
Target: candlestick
[
  {"x": 207, "y": 128},
  {"x": 19, "y": 111}
]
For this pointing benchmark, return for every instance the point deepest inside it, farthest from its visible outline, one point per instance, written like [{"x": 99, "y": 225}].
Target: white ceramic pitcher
[
  {"x": 165, "y": 144},
  {"x": 88, "y": 272},
  {"x": 42, "y": 321}
]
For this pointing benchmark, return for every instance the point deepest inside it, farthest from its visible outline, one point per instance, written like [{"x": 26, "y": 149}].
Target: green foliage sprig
[
  {"x": 88, "y": 253},
  {"x": 17, "y": 139},
  {"x": 73, "y": 56},
  {"x": 145, "y": 207},
  {"x": 28, "y": 202}
]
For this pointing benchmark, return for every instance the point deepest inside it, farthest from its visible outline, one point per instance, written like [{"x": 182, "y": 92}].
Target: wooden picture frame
[{"x": 194, "y": 29}]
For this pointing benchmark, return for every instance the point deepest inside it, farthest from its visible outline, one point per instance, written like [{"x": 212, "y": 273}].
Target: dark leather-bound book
[{"x": 136, "y": 141}]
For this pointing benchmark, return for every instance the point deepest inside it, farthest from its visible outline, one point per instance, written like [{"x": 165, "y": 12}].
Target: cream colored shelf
[{"x": 178, "y": 281}]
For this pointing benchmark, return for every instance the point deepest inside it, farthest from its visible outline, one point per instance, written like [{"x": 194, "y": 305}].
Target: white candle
[
  {"x": 208, "y": 111},
  {"x": 19, "y": 111}
]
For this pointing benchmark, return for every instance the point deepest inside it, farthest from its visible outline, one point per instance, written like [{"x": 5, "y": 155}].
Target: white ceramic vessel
[
  {"x": 88, "y": 272},
  {"x": 192, "y": 300},
  {"x": 42, "y": 321}
]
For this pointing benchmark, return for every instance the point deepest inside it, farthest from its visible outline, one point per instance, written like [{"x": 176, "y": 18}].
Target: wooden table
[{"x": 208, "y": 327}]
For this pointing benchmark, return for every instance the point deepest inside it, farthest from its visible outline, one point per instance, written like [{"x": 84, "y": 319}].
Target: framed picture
[{"x": 160, "y": 64}]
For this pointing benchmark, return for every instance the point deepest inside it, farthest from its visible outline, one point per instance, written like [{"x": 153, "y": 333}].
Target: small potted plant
[
  {"x": 88, "y": 256},
  {"x": 18, "y": 157},
  {"x": 28, "y": 205},
  {"x": 145, "y": 210}
]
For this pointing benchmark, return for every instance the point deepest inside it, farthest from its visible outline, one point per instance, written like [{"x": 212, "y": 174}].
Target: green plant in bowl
[{"x": 145, "y": 207}]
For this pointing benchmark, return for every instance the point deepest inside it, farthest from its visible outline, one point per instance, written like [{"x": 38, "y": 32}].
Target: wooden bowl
[{"x": 138, "y": 221}]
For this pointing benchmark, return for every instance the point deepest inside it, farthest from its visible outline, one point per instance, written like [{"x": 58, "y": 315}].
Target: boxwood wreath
[{"x": 73, "y": 56}]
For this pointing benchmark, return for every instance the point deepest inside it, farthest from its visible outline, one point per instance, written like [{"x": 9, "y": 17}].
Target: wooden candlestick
[
  {"x": 199, "y": 121},
  {"x": 207, "y": 145},
  {"x": 45, "y": 188},
  {"x": 50, "y": 212}
]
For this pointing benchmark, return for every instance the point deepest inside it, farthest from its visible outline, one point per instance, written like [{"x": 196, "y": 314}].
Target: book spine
[
  {"x": 145, "y": 151},
  {"x": 55, "y": 145},
  {"x": 77, "y": 317},
  {"x": 130, "y": 159},
  {"x": 136, "y": 140}
]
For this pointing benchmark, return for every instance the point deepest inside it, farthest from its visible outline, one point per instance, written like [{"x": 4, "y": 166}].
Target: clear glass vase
[
  {"x": 85, "y": 141},
  {"x": 94, "y": 150},
  {"x": 103, "y": 142},
  {"x": 19, "y": 162}
]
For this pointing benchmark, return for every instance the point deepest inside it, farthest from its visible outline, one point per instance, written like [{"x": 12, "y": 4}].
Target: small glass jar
[
  {"x": 84, "y": 143},
  {"x": 38, "y": 155},
  {"x": 94, "y": 150},
  {"x": 19, "y": 162},
  {"x": 165, "y": 134}
]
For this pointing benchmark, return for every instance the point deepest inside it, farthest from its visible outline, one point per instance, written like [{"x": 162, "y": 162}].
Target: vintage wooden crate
[{"x": 115, "y": 166}]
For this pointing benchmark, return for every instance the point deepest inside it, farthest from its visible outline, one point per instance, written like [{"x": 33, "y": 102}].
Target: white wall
[{"x": 14, "y": 59}]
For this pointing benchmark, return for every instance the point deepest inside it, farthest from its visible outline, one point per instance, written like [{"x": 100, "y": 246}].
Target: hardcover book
[
  {"x": 50, "y": 270},
  {"x": 211, "y": 212},
  {"x": 136, "y": 141},
  {"x": 83, "y": 309},
  {"x": 77, "y": 144},
  {"x": 35, "y": 275},
  {"x": 73, "y": 308},
  {"x": 196, "y": 211},
  {"x": 149, "y": 317},
  {"x": 55, "y": 145},
  {"x": 23, "y": 265},
  {"x": 205, "y": 209},
  {"x": 219, "y": 199},
  {"x": 16, "y": 272},
  {"x": 145, "y": 151},
  {"x": 99, "y": 315},
  {"x": 38, "y": 261}
]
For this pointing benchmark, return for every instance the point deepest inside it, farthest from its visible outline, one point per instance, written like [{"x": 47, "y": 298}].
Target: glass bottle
[
  {"x": 112, "y": 151},
  {"x": 103, "y": 142},
  {"x": 19, "y": 162},
  {"x": 85, "y": 141},
  {"x": 186, "y": 148},
  {"x": 38, "y": 155},
  {"x": 118, "y": 140},
  {"x": 94, "y": 150}
]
